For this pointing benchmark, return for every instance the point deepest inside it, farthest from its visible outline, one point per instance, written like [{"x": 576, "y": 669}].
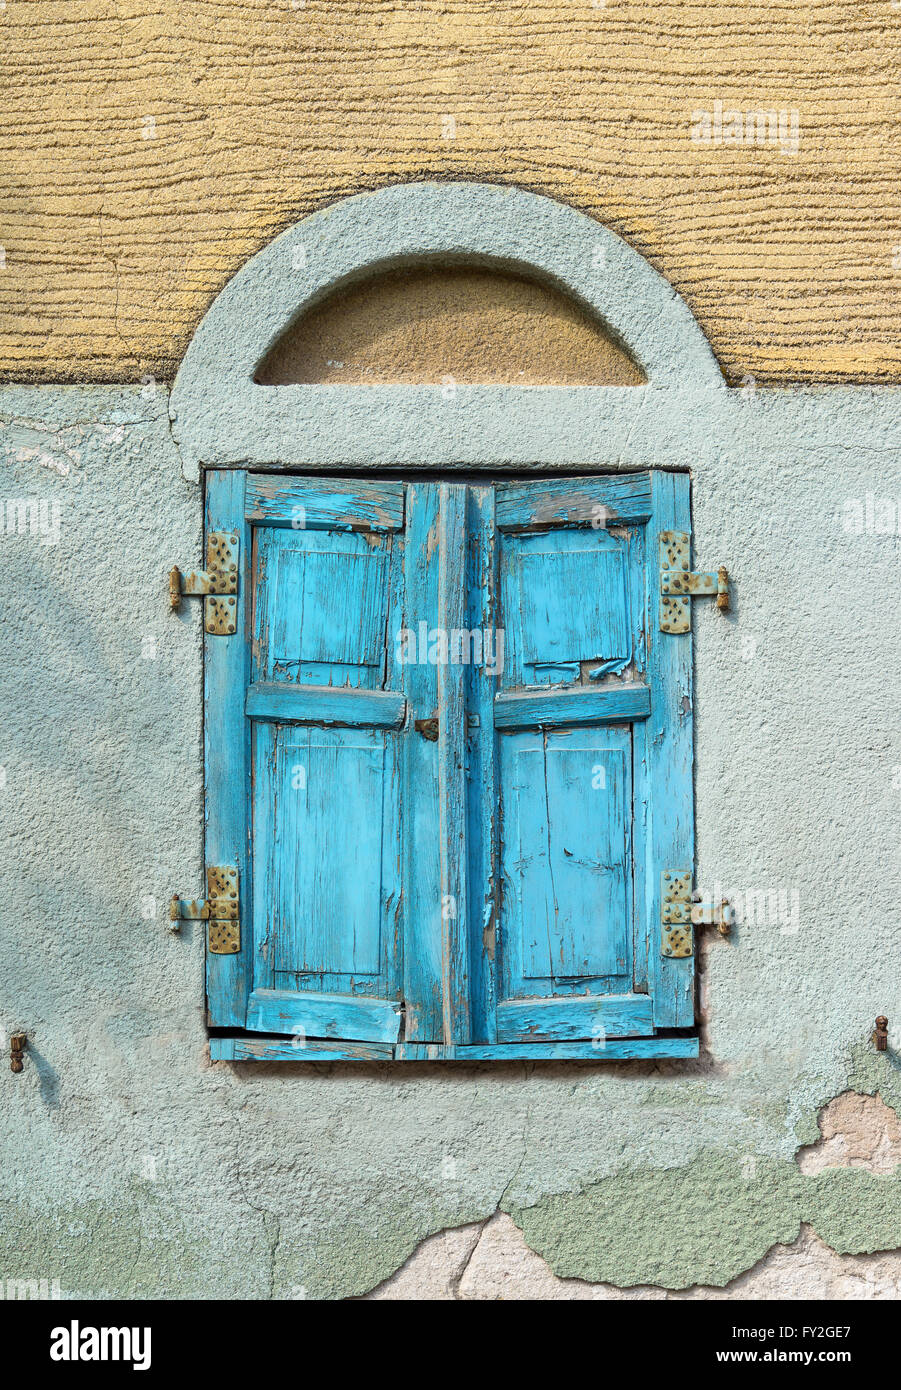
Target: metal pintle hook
[{"x": 17, "y": 1045}]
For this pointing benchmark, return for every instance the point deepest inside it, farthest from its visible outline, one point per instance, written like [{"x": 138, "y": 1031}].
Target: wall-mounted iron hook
[{"x": 17, "y": 1045}]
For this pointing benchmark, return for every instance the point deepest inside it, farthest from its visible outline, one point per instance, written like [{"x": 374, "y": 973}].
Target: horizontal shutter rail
[
  {"x": 284, "y": 702},
  {"x": 262, "y": 1049},
  {"x": 297, "y": 1049},
  {"x": 574, "y": 1016},
  {"x": 354, "y": 1017},
  {"x": 596, "y": 1049},
  {"x": 562, "y": 708},
  {"x": 336, "y": 504},
  {"x": 596, "y": 502}
]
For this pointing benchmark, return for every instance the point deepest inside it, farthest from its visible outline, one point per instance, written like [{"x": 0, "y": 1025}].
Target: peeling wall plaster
[
  {"x": 855, "y": 1132},
  {"x": 133, "y": 1167},
  {"x": 492, "y": 1261}
]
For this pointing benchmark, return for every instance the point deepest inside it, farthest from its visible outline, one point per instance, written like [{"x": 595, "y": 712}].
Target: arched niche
[
  {"x": 581, "y": 277},
  {"x": 434, "y": 324}
]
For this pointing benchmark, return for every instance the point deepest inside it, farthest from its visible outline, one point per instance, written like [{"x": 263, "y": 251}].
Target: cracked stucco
[
  {"x": 491, "y": 1261},
  {"x": 131, "y": 1166}
]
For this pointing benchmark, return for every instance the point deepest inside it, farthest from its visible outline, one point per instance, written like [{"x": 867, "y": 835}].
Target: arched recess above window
[
  {"x": 223, "y": 415},
  {"x": 431, "y": 324}
]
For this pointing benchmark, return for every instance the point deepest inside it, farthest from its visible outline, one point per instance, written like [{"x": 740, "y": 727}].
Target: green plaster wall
[
  {"x": 707, "y": 1221},
  {"x": 131, "y": 1166}
]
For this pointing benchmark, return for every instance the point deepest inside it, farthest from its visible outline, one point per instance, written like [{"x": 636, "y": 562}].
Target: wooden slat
[
  {"x": 261, "y": 1049},
  {"x": 668, "y": 751},
  {"x": 574, "y": 1016},
  {"x": 333, "y": 504},
  {"x": 324, "y": 1015},
  {"x": 421, "y": 878},
  {"x": 611, "y": 1050},
  {"x": 612, "y": 500},
  {"x": 288, "y": 702},
  {"x": 291, "y": 1050},
  {"x": 554, "y": 708},
  {"x": 452, "y": 857},
  {"x": 483, "y": 827}
]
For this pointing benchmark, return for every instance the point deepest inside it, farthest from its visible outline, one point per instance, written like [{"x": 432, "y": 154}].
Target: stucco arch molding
[{"x": 221, "y": 416}]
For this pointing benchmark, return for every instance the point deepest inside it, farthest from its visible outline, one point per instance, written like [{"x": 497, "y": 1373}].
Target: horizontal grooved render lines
[{"x": 152, "y": 154}]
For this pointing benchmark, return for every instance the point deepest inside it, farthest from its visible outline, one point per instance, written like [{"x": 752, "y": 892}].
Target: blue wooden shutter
[
  {"x": 589, "y": 755},
  {"x": 304, "y": 733},
  {"x": 494, "y": 891}
]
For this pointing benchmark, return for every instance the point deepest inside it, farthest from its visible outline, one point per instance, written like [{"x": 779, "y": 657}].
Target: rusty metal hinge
[
  {"x": 217, "y": 584},
  {"x": 17, "y": 1045},
  {"x": 221, "y": 910},
  {"x": 681, "y": 909},
  {"x": 720, "y": 915},
  {"x": 678, "y": 585}
]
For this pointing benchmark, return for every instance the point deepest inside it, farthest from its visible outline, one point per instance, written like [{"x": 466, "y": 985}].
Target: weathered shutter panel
[
  {"x": 227, "y": 755},
  {"x": 592, "y": 724},
  {"x": 667, "y": 758},
  {"x": 494, "y": 888},
  {"x": 319, "y": 713},
  {"x": 435, "y": 878}
]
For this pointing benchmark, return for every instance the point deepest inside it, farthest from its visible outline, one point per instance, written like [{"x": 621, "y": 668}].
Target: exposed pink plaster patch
[{"x": 856, "y": 1132}]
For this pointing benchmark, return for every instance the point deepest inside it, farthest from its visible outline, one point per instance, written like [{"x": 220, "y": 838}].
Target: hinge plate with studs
[
  {"x": 217, "y": 584},
  {"x": 678, "y": 585},
  {"x": 224, "y": 933},
  {"x": 675, "y": 914},
  {"x": 681, "y": 910},
  {"x": 221, "y": 910}
]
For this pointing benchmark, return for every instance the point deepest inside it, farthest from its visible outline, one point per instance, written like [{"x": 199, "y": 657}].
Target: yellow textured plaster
[
  {"x": 152, "y": 150},
  {"x": 428, "y": 325}
]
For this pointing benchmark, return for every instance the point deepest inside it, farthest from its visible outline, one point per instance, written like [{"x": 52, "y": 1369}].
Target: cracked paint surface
[
  {"x": 491, "y": 1260},
  {"x": 132, "y": 1167},
  {"x": 855, "y": 1132}
]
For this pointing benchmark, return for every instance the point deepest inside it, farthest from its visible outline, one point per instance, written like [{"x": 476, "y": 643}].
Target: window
[{"x": 449, "y": 753}]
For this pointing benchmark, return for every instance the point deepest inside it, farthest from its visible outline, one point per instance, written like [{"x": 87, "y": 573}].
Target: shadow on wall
[{"x": 448, "y": 325}]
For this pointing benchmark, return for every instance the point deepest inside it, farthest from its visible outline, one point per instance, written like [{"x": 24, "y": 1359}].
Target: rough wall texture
[
  {"x": 152, "y": 150},
  {"x": 140, "y": 1169},
  {"x": 855, "y": 1132},
  {"x": 490, "y": 1260},
  {"x": 459, "y": 325}
]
